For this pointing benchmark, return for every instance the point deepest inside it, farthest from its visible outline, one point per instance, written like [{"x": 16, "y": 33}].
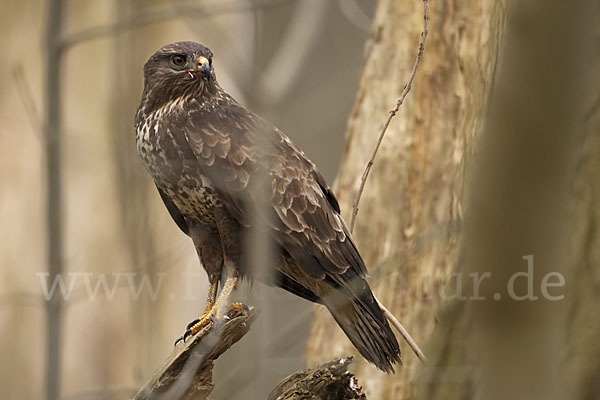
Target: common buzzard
[{"x": 207, "y": 154}]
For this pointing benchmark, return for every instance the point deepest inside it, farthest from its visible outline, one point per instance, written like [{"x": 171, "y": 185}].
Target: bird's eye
[{"x": 178, "y": 60}]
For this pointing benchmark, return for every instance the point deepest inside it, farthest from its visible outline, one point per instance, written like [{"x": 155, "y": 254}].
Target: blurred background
[{"x": 285, "y": 60}]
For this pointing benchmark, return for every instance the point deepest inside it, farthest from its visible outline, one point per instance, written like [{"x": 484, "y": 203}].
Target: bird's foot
[
  {"x": 208, "y": 318},
  {"x": 196, "y": 326}
]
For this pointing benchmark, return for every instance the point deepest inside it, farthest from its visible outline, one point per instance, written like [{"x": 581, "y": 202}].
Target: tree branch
[
  {"x": 187, "y": 371},
  {"x": 403, "y": 332},
  {"x": 330, "y": 381},
  {"x": 395, "y": 322},
  {"x": 186, "y": 374},
  {"x": 391, "y": 115}
]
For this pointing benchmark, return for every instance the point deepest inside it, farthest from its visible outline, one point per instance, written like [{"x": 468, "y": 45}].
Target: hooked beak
[{"x": 204, "y": 67}]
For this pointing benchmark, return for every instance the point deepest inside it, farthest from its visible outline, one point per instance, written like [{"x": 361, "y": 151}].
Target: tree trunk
[
  {"x": 407, "y": 229},
  {"x": 535, "y": 197}
]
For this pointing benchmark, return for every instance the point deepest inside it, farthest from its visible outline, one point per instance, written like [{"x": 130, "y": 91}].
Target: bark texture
[
  {"x": 411, "y": 208},
  {"x": 582, "y": 324},
  {"x": 330, "y": 381},
  {"x": 534, "y": 196},
  {"x": 187, "y": 373},
  {"x": 583, "y": 294}
]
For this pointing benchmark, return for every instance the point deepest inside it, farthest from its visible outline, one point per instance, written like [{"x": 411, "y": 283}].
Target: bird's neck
[{"x": 156, "y": 101}]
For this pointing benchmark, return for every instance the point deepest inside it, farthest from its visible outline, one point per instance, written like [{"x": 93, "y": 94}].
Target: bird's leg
[
  {"x": 212, "y": 295},
  {"x": 229, "y": 234},
  {"x": 230, "y": 282},
  {"x": 210, "y": 253},
  {"x": 215, "y": 308}
]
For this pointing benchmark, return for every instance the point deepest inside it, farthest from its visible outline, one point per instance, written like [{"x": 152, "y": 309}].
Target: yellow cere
[{"x": 202, "y": 60}]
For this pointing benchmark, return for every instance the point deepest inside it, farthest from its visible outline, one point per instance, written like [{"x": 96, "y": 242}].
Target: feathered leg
[
  {"x": 230, "y": 233},
  {"x": 229, "y": 268},
  {"x": 210, "y": 253}
]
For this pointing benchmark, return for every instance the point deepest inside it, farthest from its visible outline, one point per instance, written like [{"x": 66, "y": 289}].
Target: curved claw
[
  {"x": 179, "y": 339},
  {"x": 191, "y": 329},
  {"x": 196, "y": 325},
  {"x": 188, "y": 333},
  {"x": 190, "y": 325}
]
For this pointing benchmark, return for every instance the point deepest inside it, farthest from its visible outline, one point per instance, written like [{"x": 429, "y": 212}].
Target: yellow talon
[{"x": 197, "y": 325}]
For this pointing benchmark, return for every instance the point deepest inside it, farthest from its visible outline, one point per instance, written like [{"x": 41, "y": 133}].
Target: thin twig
[
  {"x": 27, "y": 98},
  {"x": 391, "y": 115},
  {"x": 395, "y": 322},
  {"x": 403, "y": 332}
]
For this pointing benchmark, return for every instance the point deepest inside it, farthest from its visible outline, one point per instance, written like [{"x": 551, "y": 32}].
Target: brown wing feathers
[
  {"x": 305, "y": 220},
  {"x": 306, "y": 212}
]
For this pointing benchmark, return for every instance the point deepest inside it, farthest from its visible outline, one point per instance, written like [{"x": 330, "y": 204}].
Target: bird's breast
[
  {"x": 195, "y": 200},
  {"x": 175, "y": 170}
]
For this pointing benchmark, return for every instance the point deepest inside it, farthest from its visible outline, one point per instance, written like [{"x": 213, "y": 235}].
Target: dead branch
[
  {"x": 403, "y": 332},
  {"x": 391, "y": 115},
  {"x": 187, "y": 371},
  {"x": 186, "y": 374},
  {"x": 330, "y": 381},
  {"x": 395, "y": 322}
]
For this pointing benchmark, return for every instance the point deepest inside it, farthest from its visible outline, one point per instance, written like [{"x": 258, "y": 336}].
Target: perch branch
[
  {"x": 330, "y": 381},
  {"x": 187, "y": 371},
  {"x": 186, "y": 374},
  {"x": 391, "y": 115}
]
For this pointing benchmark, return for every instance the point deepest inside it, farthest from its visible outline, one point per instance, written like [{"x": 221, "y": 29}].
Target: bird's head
[{"x": 178, "y": 69}]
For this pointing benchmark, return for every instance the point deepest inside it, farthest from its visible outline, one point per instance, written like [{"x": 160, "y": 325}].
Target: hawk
[{"x": 206, "y": 153}]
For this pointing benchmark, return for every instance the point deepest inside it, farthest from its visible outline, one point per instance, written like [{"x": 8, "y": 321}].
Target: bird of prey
[{"x": 205, "y": 153}]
